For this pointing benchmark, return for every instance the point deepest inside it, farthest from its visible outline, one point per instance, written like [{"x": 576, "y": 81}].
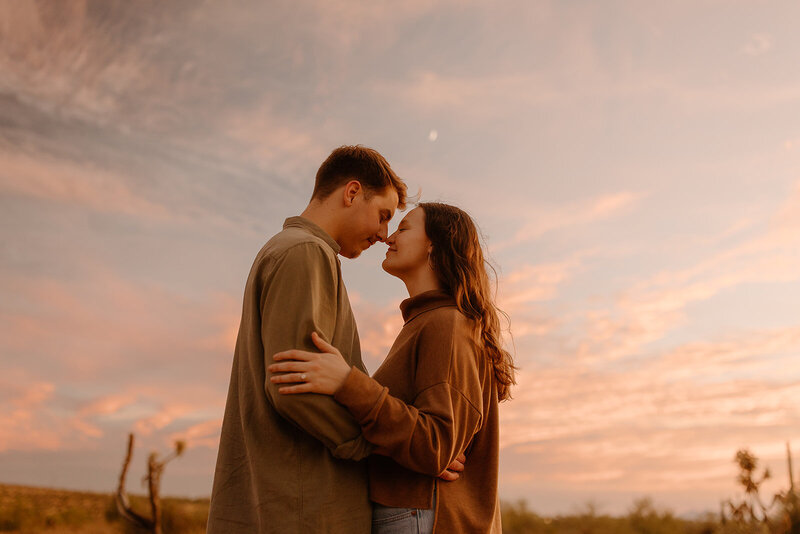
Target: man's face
[{"x": 368, "y": 221}]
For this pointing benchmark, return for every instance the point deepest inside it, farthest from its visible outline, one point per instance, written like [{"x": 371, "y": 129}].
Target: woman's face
[{"x": 409, "y": 246}]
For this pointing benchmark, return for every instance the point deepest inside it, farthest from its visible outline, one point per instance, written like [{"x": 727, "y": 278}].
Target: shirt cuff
[{"x": 360, "y": 394}]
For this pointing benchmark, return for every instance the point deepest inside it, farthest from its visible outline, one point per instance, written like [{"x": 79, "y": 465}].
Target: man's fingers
[
  {"x": 449, "y": 476},
  {"x": 321, "y": 344},
  {"x": 461, "y": 458}
]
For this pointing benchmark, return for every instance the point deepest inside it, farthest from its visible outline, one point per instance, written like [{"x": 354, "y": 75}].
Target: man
[{"x": 289, "y": 464}]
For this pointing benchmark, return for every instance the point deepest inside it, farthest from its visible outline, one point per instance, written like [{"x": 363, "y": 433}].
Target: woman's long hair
[{"x": 457, "y": 259}]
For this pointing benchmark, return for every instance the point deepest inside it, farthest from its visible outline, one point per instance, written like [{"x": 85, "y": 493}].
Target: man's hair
[{"x": 357, "y": 163}]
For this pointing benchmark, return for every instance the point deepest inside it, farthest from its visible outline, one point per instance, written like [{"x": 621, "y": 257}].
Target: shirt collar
[
  {"x": 312, "y": 228},
  {"x": 429, "y": 300}
]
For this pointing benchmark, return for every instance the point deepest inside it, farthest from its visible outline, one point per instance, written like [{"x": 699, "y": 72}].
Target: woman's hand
[{"x": 311, "y": 372}]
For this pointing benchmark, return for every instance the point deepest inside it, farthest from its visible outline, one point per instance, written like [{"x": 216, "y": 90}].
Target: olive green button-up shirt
[{"x": 290, "y": 463}]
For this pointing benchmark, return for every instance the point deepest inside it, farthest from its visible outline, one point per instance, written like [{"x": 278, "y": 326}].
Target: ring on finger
[{"x": 303, "y": 377}]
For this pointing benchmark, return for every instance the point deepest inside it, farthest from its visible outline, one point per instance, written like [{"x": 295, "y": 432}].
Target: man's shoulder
[{"x": 293, "y": 240}]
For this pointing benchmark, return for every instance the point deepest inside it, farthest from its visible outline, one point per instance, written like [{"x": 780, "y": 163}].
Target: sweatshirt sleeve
[
  {"x": 299, "y": 296},
  {"x": 427, "y": 435}
]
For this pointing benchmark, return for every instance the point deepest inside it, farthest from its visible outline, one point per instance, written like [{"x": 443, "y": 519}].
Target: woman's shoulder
[
  {"x": 450, "y": 314},
  {"x": 447, "y": 318},
  {"x": 447, "y": 327}
]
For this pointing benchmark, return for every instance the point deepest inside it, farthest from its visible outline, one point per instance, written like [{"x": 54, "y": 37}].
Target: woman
[{"x": 435, "y": 396}]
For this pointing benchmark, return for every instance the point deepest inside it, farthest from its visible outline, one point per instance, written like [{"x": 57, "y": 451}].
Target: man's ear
[{"x": 351, "y": 190}]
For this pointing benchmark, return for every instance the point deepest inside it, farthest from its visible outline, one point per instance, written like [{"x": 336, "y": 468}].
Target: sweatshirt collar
[
  {"x": 429, "y": 300},
  {"x": 311, "y": 228}
]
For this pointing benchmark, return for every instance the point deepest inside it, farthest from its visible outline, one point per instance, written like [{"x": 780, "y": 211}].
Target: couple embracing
[{"x": 310, "y": 442}]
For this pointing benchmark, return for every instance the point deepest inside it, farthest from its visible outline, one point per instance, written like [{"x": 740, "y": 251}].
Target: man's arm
[{"x": 299, "y": 296}]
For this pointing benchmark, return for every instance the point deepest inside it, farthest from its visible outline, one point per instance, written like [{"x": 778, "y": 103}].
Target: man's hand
[{"x": 452, "y": 472}]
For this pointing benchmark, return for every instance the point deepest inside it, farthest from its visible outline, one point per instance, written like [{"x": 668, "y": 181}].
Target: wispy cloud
[
  {"x": 619, "y": 399},
  {"x": 102, "y": 341},
  {"x": 205, "y": 434},
  {"x": 76, "y": 185},
  {"x": 758, "y": 44},
  {"x": 21, "y": 415},
  {"x": 541, "y": 220},
  {"x": 669, "y": 417},
  {"x": 378, "y": 327}
]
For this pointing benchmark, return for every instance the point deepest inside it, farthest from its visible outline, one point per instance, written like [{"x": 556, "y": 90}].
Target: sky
[{"x": 634, "y": 168}]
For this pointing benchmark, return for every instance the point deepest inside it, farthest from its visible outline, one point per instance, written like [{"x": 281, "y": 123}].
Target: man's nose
[{"x": 383, "y": 232}]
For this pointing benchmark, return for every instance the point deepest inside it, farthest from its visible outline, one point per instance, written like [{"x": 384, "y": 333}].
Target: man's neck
[{"x": 323, "y": 216}]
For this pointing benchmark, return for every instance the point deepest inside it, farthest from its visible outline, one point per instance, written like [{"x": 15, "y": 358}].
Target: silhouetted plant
[
  {"x": 155, "y": 468},
  {"x": 790, "y": 501},
  {"x": 751, "y": 515},
  {"x": 646, "y": 519}
]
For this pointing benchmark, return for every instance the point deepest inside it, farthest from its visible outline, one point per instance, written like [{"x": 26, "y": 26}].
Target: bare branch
[{"x": 123, "y": 504}]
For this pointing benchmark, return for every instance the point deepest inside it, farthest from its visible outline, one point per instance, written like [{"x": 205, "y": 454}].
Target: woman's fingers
[
  {"x": 449, "y": 476},
  {"x": 288, "y": 367},
  {"x": 299, "y": 388},
  {"x": 456, "y": 465},
  {"x": 321, "y": 344},
  {"x": 289, "y": 378},
  {"x": 294, "y": 354}
]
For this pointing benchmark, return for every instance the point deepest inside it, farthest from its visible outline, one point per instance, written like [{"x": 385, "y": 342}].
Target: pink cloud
[
  {"x": 656, "y": 306},
  {"x": 205, "y": 434},
  {"x": 163, "y": 417},
  {"x": 69, "y": 183},
  {"x": 474, "y": 96},
  {"x": 524, "y": 293},
  {"x": 378, "y": 327},
  {"x": 68, "y": 335},
  {"x": 662, "y": 422},
  {"x": 20, "y": 418},
  {"x": 758, "y": 44},
  {"x": 108, "y": 405},
  {"x": 541, "y": 220},
  {"x": 70, "y": 322},
  {"x": 533, "y": 283}
]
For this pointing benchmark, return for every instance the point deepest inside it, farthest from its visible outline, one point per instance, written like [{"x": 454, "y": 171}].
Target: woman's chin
[{"x": 387, "y": 266}]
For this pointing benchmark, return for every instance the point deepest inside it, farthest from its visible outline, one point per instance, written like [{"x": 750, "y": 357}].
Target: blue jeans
[{"x": 391, "y": 520}]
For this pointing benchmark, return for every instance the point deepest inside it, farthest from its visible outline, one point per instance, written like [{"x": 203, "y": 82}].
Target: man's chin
[{"x": 350, "y": 254}]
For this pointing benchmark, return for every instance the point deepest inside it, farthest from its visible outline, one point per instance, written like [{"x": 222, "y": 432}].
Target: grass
[{"x": 28, "y": 510}]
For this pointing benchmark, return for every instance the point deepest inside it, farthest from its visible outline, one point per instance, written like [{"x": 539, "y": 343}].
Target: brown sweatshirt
[
  {"x": 432, "y": 398},
  {"x": 284, "y": 462}
]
